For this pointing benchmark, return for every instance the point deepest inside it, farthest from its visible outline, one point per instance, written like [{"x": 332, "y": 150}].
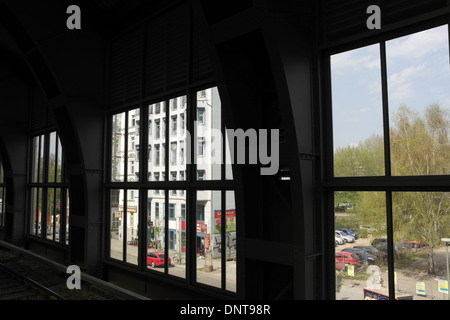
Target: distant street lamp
[{"x": 447, "y": 243}]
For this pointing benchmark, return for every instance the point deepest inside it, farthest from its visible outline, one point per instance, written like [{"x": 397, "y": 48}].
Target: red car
[
  {"x": 348, "y": 258},
  {"x": 156, "y": 259},
  {"x": 415, "y": 244},
  {"x": 340, "y": 265}
]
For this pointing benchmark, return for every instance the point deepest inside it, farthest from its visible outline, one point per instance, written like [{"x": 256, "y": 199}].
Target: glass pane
[
  {"x": 208, "y": 241},
  {"x": 156, "y": 141},
  {"x": 357, "y": 113},
  {"x": 67, "y": 215},
  {"x": 41, "y": 158},
  {"x": 361, "y": 245},
  {"x": 35, "y": 160},
  {"x": 34, "y": 211},
  {"x": 57, "y": 222},
  {"x": 231, "y": 224},
  {"x": 178, "y": 135},
  {"x": 52, "y": 158},
  {"x": 209, "y": 137},
  {"x": 116, "y": 224},
  {"x": 419, "y": 101},
  {"x": 133, "y": 145},
  {"x": 59, "y": 162},
  {"x": 177, "y": 233},
  {"x": 132, "y": 218},
  {"x": 50, "y": 212},
  {"x": 118, "y": 147},
  {"x": 156, "y": 258},
  {"x": 2, "y": 174},
  {"x": 228, "y": 161},
  {"x": 38, "y": 212},
  {"x": 421, "y": 221}
]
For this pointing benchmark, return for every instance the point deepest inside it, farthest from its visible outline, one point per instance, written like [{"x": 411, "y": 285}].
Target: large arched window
[{"x": 48, "y": 190}]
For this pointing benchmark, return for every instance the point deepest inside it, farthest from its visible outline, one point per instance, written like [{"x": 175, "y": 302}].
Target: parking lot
[{"x": 409, "y": 280}]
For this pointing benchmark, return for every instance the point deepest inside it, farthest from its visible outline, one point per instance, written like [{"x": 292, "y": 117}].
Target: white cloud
[
  {"x": 401, "y": 83},
  {"x": 362, "y": 58},
  {"x": 418, "y": 45}
]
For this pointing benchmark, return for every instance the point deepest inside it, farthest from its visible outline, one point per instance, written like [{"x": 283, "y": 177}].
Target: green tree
[
  {"x": 366, "y": 159},
  {"x": 419, "y": 147}
]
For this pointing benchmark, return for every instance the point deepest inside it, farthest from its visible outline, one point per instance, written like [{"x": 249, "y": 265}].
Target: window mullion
[{"x": 386, "y": 125}]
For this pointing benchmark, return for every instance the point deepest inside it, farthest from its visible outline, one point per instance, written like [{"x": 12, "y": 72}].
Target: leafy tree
[{"x": 419, "y": 147}]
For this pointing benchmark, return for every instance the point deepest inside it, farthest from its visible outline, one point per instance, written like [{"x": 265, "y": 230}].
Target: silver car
[{"x": 345, "y": 236}]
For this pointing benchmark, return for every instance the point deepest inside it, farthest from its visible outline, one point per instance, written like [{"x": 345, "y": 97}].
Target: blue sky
[{"x": 418, "y": 75}]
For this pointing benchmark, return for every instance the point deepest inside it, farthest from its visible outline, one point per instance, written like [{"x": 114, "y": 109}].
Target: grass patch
[{"x": 405, "y": 261}]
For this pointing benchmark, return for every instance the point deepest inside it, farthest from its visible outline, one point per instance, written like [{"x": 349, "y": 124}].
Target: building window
[
  {"x": 171, "y": 211},
  {"x": 170, "y": 199},
  {"x": 201, "y": 116},
  {"x": 388, "y": 164},
  {"x": 173, "y": 131},
  {"x": 49, "y": 190}
]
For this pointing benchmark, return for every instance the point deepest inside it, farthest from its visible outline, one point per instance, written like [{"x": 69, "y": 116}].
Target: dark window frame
[
  {"x": 190, "y": 185},
  {"x": 386, "y": 183},
  {"x": 43, "y": 186}
]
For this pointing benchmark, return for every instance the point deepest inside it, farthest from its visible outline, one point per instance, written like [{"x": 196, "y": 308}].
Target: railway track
[
  {"x": 15, "y": 286},
  {"x": 27, "y": 276}
]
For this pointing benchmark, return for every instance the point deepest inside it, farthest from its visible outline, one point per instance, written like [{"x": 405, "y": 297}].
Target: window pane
[
  {"x": 67, "y": 215},
  {"x": 360, "y": 245},
  {"x": 35, "y": 160},
  {"x": 50, "y": 212},
  {"x": 419, "y": 101},
  {"x": 52, "y": 158},
  {"x": 228, "y": 162},
  {"x": 59, "y": 165},
  {"x": 208, "y": 241},
  {"x": 41, "y": 158},
  {"x": 132, "y": 218},
  {"x": 57, "y": 220},
  {"x": 156, "y": 258},
  {"x": 177, "y": 233},
  {"x": 156, "y": 140},
  {"x": 133, "y": 145},
  {"x": 230, "y": 234},
  {"x": 209, "y": 140},
  {"x": 38, "y": 211},
  {"x": 118, "y": 147},
  {"x": 178, "y": 136},
  {"x": 34, "y": 211},
  {"x": 116, "y": 224},
  {"x": 421, "y": 220},
  {"x": 357, "y": 113}
]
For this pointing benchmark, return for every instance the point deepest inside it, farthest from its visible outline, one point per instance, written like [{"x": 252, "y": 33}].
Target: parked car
[
  {"x": 341, "y": 265},
  {"x": 339, "y": 238},
  {"x": 348, "y": 258},
  {"x": 349, "y": 232},
  {"x": 348, "y": 238},
  {"x": 373, "y": 251},
  {"x": 379, "y": 242},
  {"x": 415, "y": 244},
  {"x": 364, "y": 256},
  {"x": 156, "y": 259}
]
